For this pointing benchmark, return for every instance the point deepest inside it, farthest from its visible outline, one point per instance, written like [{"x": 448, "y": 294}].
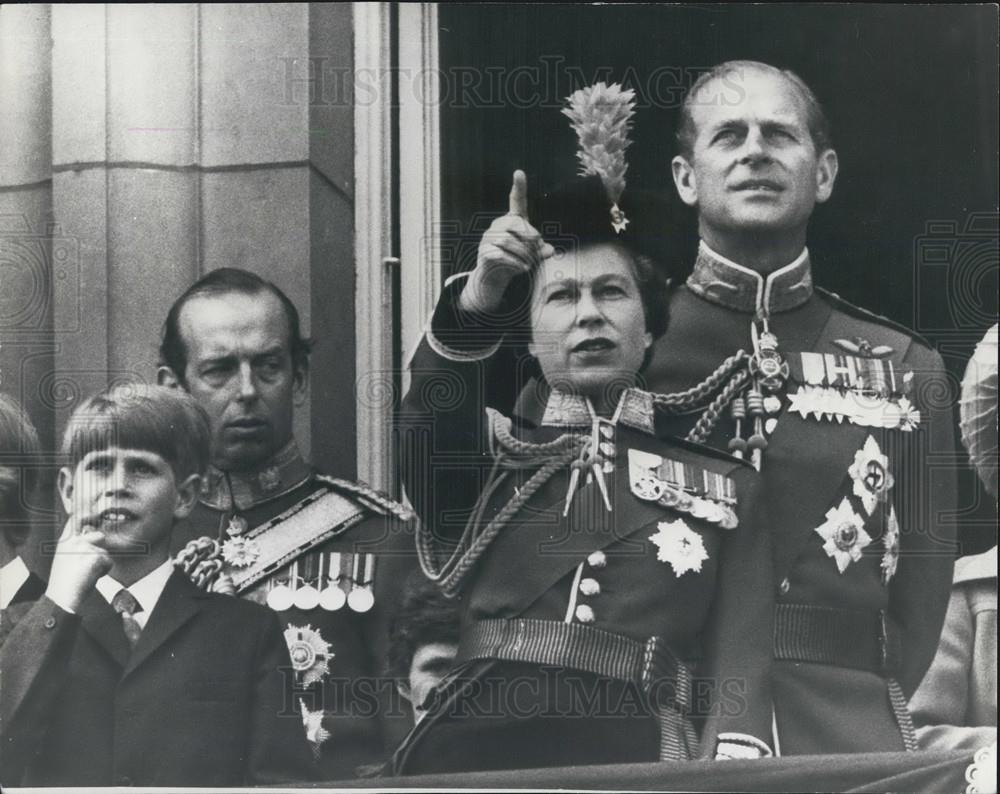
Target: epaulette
[
  {"x": 864, "y": 314},
  {"x": 376, "y": 501}
]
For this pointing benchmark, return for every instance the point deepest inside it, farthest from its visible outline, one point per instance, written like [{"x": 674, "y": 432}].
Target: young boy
[{"x": 124, "y": 672}]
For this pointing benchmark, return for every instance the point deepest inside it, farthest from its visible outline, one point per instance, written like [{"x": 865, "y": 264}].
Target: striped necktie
[{"x": 126, "y": 605}]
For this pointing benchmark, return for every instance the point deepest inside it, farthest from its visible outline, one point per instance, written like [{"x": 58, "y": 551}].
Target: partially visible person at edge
[
  {"x": 601, "y": 566},
  {"x": 18, "y": 447},
  {"x": 955, "y": 706},
  {"x": 838, "y": 408},
  {"x": 423, "y": 640},
  {"x": 328, "y": 555}
]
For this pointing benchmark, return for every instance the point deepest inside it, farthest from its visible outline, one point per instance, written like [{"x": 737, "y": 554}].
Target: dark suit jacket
[{"x": 198, "y": 701}]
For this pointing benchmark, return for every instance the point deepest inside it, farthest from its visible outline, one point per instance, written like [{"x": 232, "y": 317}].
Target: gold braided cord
[
  {"x": 707, "y": 421},
  {"x": 700, "y": 394},
  {"x": 731, "y": 376},
  {"x": 514, "y": 454}
]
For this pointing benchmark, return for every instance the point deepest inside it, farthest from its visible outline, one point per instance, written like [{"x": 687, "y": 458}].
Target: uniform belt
[
  {"x": 856, "y": 638},
  {"x": 592, "y": 650}
]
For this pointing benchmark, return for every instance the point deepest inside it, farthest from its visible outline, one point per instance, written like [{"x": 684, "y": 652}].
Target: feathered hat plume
[{"x": 601, "y": 115}]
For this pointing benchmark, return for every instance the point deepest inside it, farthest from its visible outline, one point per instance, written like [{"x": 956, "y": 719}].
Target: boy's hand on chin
[{"x": 79, "y": 561}]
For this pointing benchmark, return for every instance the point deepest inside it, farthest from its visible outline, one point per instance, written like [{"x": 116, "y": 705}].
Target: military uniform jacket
[
  {"x": 344, "y": 553},
  {"x": 594, "y": 577},
  {"x": 860, "y": 515}
]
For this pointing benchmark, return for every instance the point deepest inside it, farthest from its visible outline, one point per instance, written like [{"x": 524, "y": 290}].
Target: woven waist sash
[
  {"x": 592, "y": 650},
  {"x": 855, "y": 638}
]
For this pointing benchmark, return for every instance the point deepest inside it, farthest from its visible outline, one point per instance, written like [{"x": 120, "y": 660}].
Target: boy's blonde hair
[{"x": 156, "y": 419}]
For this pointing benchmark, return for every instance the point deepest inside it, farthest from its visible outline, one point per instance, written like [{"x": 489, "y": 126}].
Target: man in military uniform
[
  {"x": 837, "y": 414},
  {"x": 328, "y": 554},
  {"x": 841, "y": 411}
]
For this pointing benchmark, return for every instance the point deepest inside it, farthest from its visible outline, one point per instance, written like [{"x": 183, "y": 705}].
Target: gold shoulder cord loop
[
  {"x": 700, "y": 395},
  {"x": 720, "y": 389}
]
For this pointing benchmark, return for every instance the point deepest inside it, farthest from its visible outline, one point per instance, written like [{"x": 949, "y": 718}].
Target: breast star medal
[
  {"x": 309, "y": 652},
  {"x": 679, "y": 545},
  {"x": 843, "y": 534},
  {"x": 240, "y": 552},
  {"x": 870, "y": 474}
]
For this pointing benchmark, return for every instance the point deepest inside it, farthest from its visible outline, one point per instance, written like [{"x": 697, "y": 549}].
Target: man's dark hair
[
  {"x": 19, "y": 448},
  {"x": 816, "y": 120},
  {"x": 424, "y": 616},
  {"x": 173, "y": 353}
]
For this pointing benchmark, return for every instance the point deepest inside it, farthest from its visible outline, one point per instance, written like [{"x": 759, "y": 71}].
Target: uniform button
[
  {"x": 585, "y": 614},
  {"x": 50, "y": 623},
  {"x": 597, "y": 560},
  {"x": 590, "y": 587},
  {"x": 784, "y": 586},
  {"x": 124, "y": 780}
]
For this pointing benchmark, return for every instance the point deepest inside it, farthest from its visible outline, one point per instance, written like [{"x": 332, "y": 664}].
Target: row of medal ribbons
[{"x": 330, "y": 580}]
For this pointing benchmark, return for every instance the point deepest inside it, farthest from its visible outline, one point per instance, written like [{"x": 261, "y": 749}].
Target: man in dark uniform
[
  {"x": 841, "y": 410},
  {"x": 328, "y": 554}
]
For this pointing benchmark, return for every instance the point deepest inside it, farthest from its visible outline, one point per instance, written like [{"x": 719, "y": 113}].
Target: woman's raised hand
[{"x": 510, "y": 247}]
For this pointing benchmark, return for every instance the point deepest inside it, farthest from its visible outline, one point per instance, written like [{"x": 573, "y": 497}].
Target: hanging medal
[
  {"x": 279, "y": 595},
  {"x": 312, "y": 721},
  {"x": 361, "y": 598},
  {"x": 769, "y": 373},
  {"x": 332, "y": 597},
  {"x": 863, "y": 391},
  {"x": 307, "y": 596}
]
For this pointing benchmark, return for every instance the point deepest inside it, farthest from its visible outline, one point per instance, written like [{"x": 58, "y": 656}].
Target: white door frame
[
  {"x": 419, "y": 259},
  {"x": 372, "y": 246},
  {"x": 419, "y": 170}
]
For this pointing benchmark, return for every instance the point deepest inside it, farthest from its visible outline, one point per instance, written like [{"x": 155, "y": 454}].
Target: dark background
[{"x": 911, "y": 91}]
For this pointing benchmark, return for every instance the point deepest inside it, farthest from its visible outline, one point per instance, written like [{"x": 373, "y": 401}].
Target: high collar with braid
[{"x": 726, "y": 283}]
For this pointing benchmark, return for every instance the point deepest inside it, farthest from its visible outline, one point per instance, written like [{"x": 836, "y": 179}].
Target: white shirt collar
[
  {"x": 12, "y": 576},
  {"x": 147, "y": 590}
]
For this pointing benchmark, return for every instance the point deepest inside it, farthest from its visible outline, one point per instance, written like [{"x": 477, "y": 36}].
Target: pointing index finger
[{"x": 518, "y": 200}]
